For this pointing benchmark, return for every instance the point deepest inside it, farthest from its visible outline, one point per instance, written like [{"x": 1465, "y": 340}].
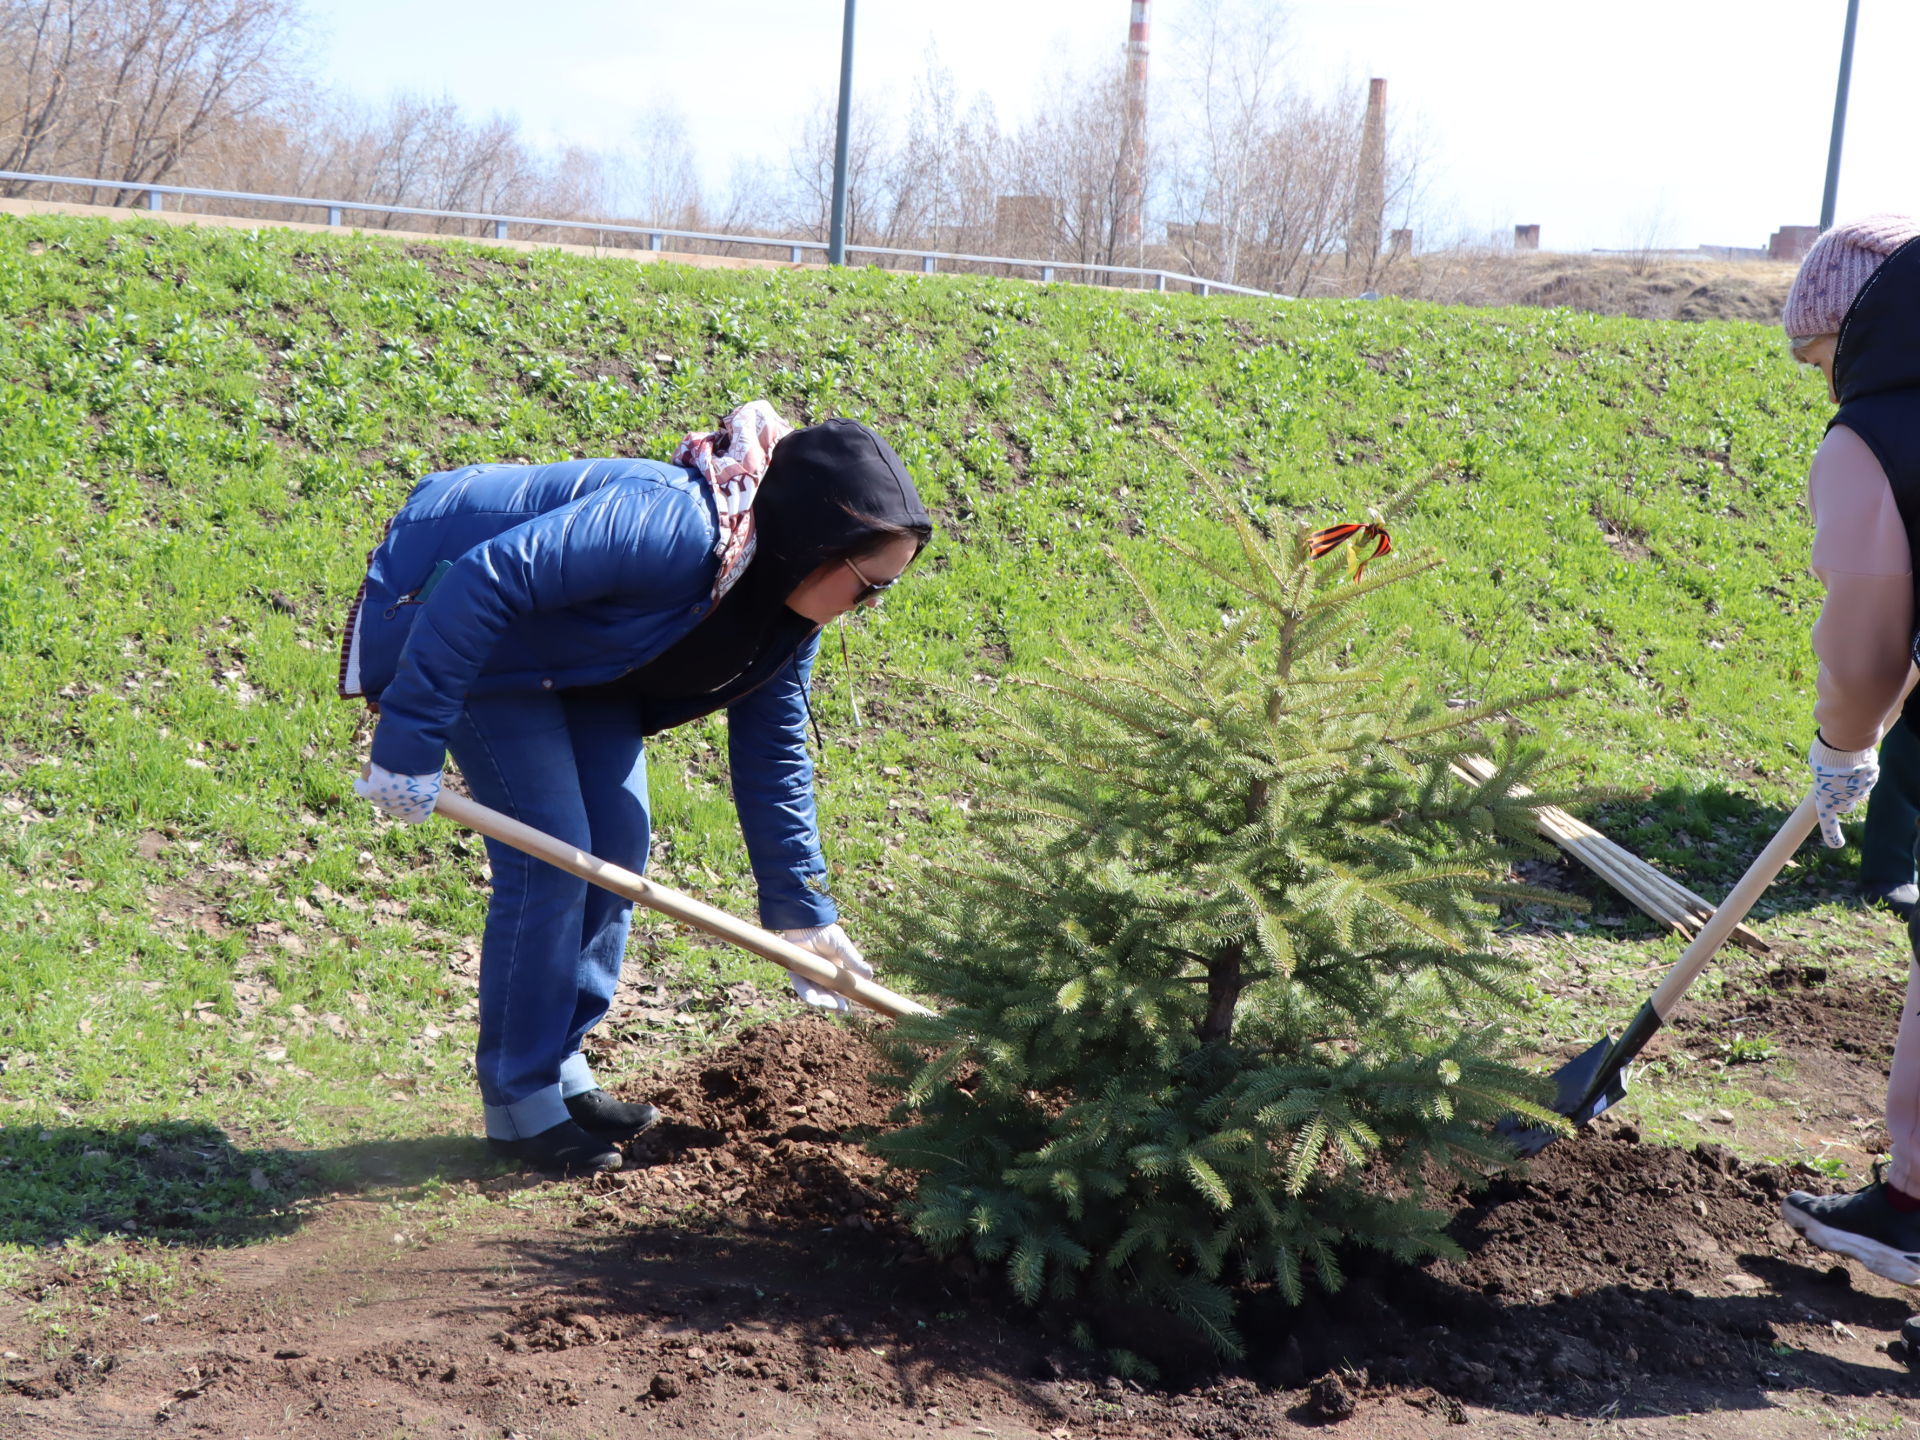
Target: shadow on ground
[
  {"x": 187, "y": 1183},
  {"x": 1705, "y": 838},
  {"x": 1590, "y": 1353},
  {"x": 858, "y": 1311},
  {"x": 722, "y": 1309}
]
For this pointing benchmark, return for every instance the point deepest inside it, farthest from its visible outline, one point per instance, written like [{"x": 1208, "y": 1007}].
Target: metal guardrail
[{"x": 657, "y": 235}]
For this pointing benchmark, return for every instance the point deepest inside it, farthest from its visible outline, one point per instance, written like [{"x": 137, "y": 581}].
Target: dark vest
[
  {"x": 1890, "y": 424},
  {"x": 656, "y": 690},
  {"x": 1877, "y": 376}
]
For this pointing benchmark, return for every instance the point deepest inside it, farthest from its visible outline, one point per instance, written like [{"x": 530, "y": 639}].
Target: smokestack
[
  {"x": 1370, "y": 192},
  {"x": 1133, "y": 157}
]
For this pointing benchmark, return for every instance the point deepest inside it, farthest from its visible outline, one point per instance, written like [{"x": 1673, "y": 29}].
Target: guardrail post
[
  {"x": 333, "y": 214},
  {"x": 1160, "y": 280},
  {"x": 928, "y": 264},
  {"x": 499, "y": 229},
  {"x": 656, "y": 242},
  {"x": 1205, "y": 290},
  {"x": 1046, "y": 274},
  {"x": 154, "y": 200},
  {"x": 793, "y": 254}
]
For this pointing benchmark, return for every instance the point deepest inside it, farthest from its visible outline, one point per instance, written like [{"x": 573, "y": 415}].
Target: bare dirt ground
[
  {"x": 742, "y": 1278},
  {"x": 1654, "y": 286}
]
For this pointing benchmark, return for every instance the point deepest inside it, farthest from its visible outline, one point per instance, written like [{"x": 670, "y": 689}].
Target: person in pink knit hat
[
  {"x": 1836, "y": 270},
  {"x": 1854, "y": 312}
]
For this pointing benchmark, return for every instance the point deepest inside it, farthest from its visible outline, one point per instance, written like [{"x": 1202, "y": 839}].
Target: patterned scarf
[{"x": 733, "y": 457}]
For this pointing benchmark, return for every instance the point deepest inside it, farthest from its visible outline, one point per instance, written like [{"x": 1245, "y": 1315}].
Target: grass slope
[{"x": 215, "y": 955}]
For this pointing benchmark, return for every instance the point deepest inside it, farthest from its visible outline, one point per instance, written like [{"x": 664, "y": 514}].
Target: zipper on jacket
[{"x": 419, "y": 597}]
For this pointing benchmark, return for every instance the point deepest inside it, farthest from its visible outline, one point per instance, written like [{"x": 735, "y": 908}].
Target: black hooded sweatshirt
[
  {"x": 1876, "y": 374},
  {"x": 828, "y": 489}
]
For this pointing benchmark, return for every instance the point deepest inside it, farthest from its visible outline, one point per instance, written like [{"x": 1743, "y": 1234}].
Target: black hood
[
  {"x": 827, "y": 488},
  {"x": 1879, "y": 346},
  {"x": 829, "y": 492}
]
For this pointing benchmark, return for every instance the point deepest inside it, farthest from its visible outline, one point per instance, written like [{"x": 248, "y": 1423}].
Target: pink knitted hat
[{"x": 1840, "y": 262}]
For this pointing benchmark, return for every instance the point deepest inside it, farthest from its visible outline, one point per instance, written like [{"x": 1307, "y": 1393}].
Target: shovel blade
[{"x": 1582, "y": 1090}]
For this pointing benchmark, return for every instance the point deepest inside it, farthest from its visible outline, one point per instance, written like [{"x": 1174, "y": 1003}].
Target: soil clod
[
  {"x": 1330, "y": 1400},
  {"x": 663, "y": 1387}
]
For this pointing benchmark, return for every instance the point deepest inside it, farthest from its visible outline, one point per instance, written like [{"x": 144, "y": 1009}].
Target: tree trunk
[{"x": 1225, "y": 981}]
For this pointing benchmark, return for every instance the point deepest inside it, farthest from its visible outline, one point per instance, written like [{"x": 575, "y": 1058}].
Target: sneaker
[
  {"x": 566, "y": 1149},
  {"x": 598, "y": 1113},
  {"x": 1863, "y": 1225},
  {"x": 1901, "y": 900}
]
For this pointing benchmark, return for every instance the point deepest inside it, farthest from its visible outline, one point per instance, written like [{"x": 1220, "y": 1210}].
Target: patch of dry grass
[{"x": 1646, "y": 287}]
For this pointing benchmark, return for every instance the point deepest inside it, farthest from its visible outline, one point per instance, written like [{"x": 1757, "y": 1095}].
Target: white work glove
[
  {"x": 404, "y": 797},
  {"x": 1841, "y": 780},
  {"x": 829, "y": 942}
]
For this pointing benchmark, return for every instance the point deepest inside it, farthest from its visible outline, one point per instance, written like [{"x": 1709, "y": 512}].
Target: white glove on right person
[{"x": 1841, "y": 780}]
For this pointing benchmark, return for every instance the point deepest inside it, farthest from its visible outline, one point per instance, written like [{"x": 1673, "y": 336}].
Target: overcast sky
[{"x": 1679, "y": 121}]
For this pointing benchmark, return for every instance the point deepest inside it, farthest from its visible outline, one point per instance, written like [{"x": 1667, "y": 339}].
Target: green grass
[{"x": 202, "y": 432}]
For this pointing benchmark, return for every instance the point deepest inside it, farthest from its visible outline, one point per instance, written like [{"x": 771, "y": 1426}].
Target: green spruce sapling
[{"x": 1208, "y": 981}]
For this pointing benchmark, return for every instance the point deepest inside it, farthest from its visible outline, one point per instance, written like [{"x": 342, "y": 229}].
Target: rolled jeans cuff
[
  {"x": 576, "y": 1076},
  {"x": 524, "y": 1119}
]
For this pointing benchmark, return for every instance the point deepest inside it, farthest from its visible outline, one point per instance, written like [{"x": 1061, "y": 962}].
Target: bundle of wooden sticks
[{"x": 1658, "y": 895}]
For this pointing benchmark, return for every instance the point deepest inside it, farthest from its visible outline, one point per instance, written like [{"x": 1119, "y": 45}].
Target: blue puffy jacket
[{"x": 502, "y": 578}]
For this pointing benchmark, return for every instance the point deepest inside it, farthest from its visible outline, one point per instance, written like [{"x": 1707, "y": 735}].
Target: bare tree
[
  {"x": 661, "y": 180},
  {"x": 180, "y": 69},
  {"x": 127, "y": 89},
  {"x": 935, "y": 185},
  {"x": 1299, "y": 217},
  {"x": 1074, "y": 156},
  {"x": 943, "y": 178},
  {"x": 426, "y": 153},
  {"x": 1240, "y": 107},
  {"x": 46, "y": 43},
  {"x": 870, "y": 208}
]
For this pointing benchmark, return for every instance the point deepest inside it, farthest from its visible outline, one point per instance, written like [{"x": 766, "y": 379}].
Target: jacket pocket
[{"x": 419, "y": 596}]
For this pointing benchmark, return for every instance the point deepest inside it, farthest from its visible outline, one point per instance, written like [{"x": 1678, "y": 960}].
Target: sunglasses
[{"x": 868, "y": 588}]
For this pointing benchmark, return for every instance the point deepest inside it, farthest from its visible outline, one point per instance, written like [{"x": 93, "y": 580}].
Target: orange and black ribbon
[{"x": 1325, "y": 542}]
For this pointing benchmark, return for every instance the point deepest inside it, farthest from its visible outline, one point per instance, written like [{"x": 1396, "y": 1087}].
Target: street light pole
[
  {"x": 1839, "y": 117},
  {"x": 837, "y": 226}
]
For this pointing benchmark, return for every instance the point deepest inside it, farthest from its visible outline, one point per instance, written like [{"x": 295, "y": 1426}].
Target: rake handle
[{"x": 684, "y": 908}]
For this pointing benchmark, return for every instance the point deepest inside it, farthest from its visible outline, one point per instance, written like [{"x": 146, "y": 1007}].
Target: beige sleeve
[{"x": 1864, "y": 635}]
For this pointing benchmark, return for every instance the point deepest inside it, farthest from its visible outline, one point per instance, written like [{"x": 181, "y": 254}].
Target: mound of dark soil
[
  {"x": 1606, "y": 1259},
  {"x": 768, "y": 1133},
  {"x": 743, "y": 1276},
  {"x": 1609, "y": 1261}
]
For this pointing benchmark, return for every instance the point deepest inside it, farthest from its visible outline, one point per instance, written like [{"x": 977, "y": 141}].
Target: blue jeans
[{"x": 575, "y": 768}]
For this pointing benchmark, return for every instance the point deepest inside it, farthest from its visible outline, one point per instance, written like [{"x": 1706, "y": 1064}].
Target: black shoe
[
  {"x": 1902, "y": 900},
  {"x": 1863, "y": 1225},
  {"x": 598, "y": 1113},
  {"x": 566, "y": 1149}
]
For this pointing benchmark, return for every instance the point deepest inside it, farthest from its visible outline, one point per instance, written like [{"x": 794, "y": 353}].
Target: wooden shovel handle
[
  {"x": 685, "y": 908},
  {"x": 1732, "y": 910}
]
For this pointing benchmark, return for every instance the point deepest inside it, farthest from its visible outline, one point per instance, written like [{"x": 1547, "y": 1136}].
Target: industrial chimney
[
  {"x": 1370, "y": 188},
  {"x": 1133, "y": 151}
]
